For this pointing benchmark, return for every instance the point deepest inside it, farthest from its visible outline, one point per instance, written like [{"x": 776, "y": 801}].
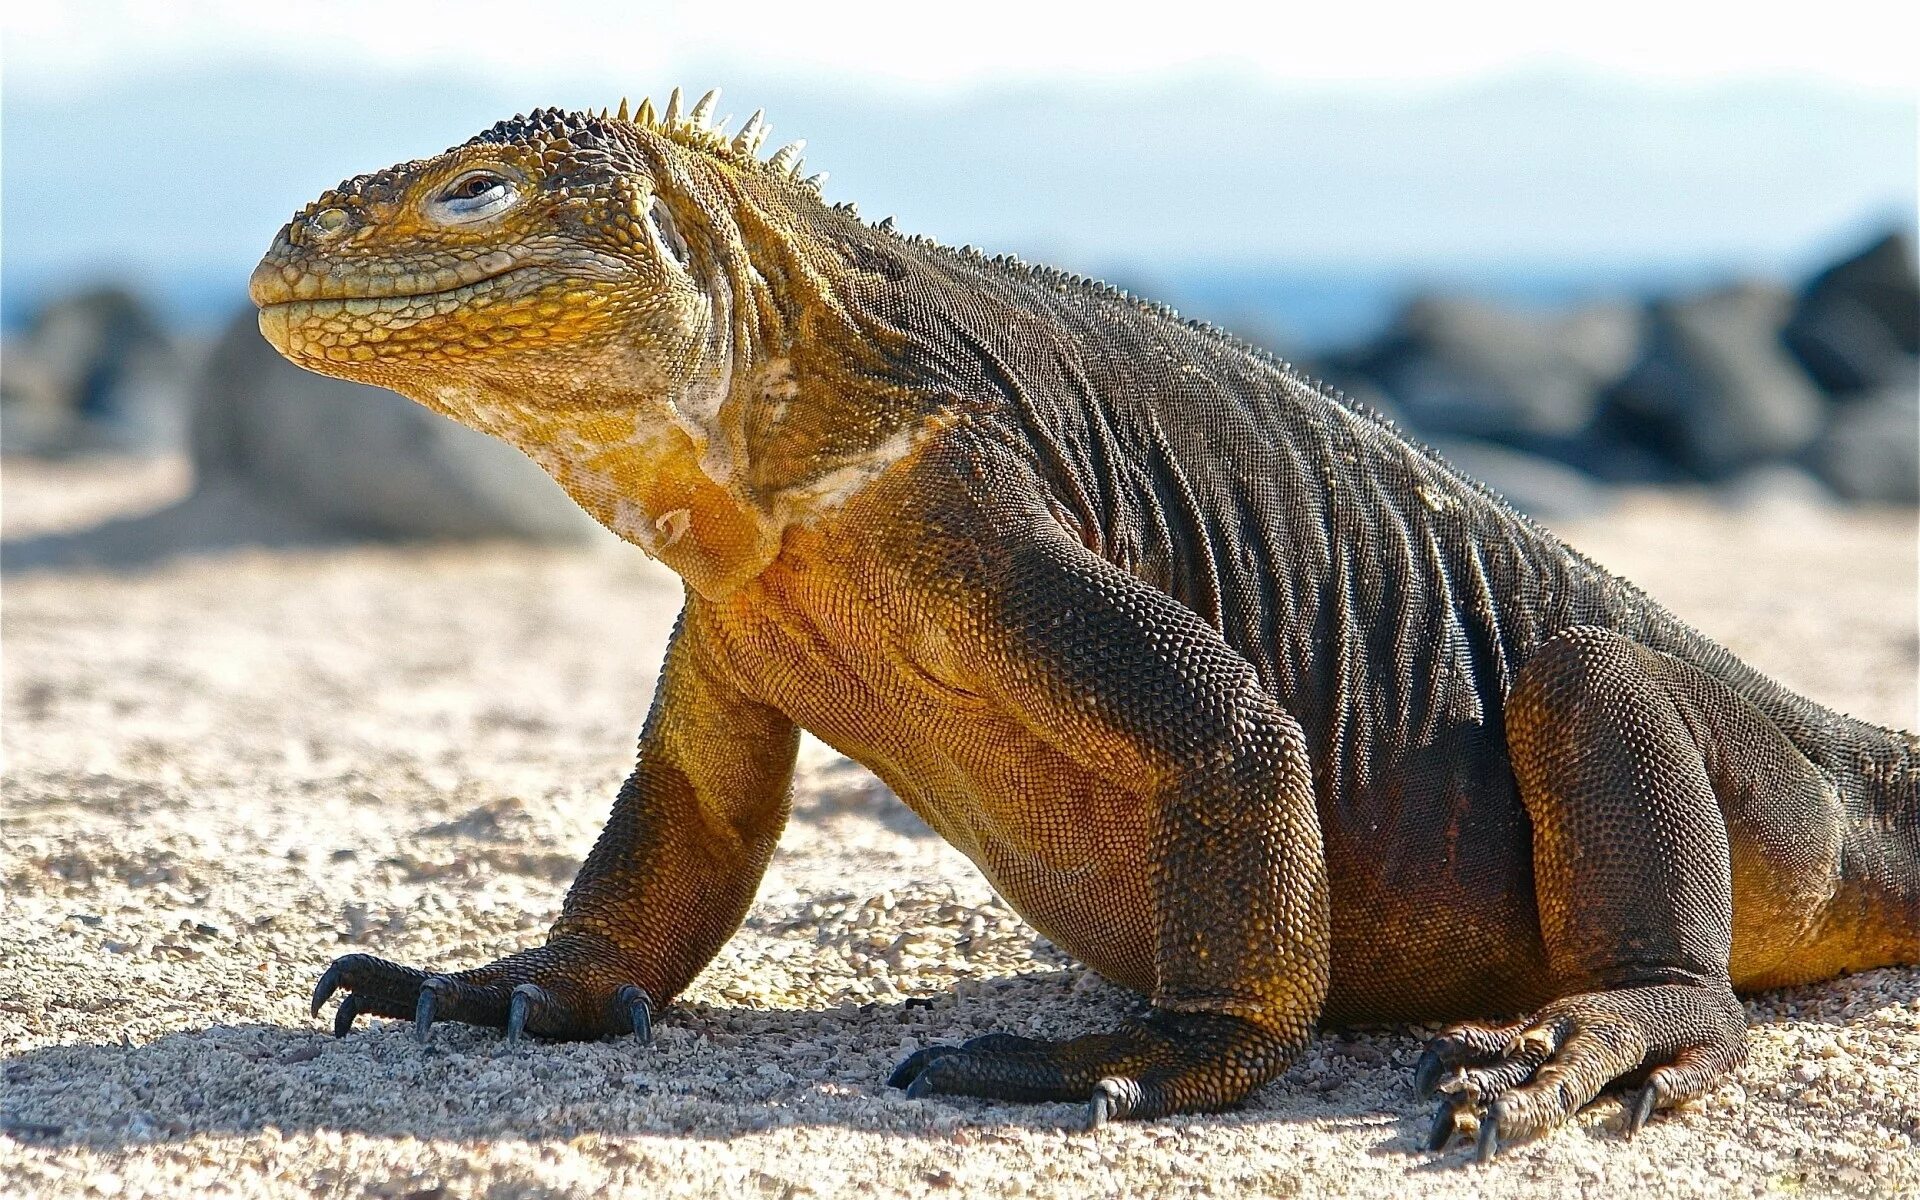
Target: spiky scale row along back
[{"x": 695, "y": 129}]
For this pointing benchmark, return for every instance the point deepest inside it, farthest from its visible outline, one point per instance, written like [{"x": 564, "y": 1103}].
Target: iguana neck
[{"x": 708, "y": 472}]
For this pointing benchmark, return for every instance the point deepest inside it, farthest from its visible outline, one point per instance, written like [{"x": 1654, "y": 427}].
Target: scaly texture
[{"x": 1232, "y": 691}]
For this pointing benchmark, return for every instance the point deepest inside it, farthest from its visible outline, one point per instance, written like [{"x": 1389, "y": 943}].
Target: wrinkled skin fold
[{"x": 1233, "y": 692}]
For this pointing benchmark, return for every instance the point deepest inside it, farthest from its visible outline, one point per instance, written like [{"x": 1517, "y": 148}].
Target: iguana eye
[{"x": 475, "y": 196}]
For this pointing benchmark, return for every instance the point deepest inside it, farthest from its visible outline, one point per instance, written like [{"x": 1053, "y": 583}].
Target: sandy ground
[{"x": 224, "y": 770}]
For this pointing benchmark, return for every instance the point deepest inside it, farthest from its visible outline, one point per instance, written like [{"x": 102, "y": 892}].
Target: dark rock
[
  {"x": 1458, "y": 367},
  {"x": 346, "y": 456},
  {"x": 93, "y": 371},
  {"x": 1609, "y": 453},
  {"x": 1857, "y": 325},
  {"x": 1716, "y": 390},
  {"x": 1539, "y": 487},
  {"x": 1870, "y": 452}
]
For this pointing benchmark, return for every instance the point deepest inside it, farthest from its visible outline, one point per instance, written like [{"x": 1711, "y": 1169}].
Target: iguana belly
[{"x": 1067, "y": 851}]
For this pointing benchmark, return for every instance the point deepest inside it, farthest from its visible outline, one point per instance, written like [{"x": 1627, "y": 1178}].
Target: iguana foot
[
  {"x": 1667, "y": 1042},
  {"x": 570, "y": 989},
  {"x": 1166, "y": 1063}
]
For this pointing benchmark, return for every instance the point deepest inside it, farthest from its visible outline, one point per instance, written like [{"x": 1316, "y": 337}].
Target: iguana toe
[
  {"x": 1463, "y": 1045},
  {"x": 557, "y": 991},
  {"x": 1678, "y": 1037},
  {"x": 910, "y": 1067},
  {"x": 914, "y": 1065},
  {"x": 1170, "y": 1062}
]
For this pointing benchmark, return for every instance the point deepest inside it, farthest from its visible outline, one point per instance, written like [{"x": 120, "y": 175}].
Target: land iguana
[{"x": 1234, "y": 692}]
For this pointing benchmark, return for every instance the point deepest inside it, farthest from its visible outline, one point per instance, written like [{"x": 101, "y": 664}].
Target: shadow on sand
[
  {"x": 215, "y": 519},
  {"x": 714, "y": 1072}
]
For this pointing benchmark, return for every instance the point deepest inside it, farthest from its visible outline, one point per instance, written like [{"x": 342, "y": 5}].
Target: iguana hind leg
[{"x": 1651, "y": 787}]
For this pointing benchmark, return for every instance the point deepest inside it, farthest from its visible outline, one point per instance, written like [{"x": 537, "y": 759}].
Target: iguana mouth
[
  {"x": 349, "y": 318},
  {"x": 285, "y": 283}
]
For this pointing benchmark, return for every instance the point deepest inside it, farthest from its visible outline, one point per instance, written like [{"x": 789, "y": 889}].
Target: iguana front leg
[
  {"x": 668, "y": 882},
  {"x": 1134, "y": 686}
]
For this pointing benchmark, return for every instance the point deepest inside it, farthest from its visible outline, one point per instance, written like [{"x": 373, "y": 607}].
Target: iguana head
[
  {"x": 635, "y": 300},
  {"x": 523, "y": 259}
]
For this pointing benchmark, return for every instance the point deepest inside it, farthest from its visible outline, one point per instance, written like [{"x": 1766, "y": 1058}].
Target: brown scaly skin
[{"x": 1234, "y": 693}]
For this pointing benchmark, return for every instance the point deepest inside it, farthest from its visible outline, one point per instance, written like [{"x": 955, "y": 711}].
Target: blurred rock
[
  {"x": 1871, "y": 451},
  {"x": 1857, "y": 325},
  {"x": 1461, "y": 367},
  {"x": 1716, "y": 390},
  {"x": 362, "y": 459},
  {"x": 1610, "y": 453},
  {"x": 1536, "y": 486},
  {"x": 93, "y": 371},
  {"x": 1776, "y": 486}
]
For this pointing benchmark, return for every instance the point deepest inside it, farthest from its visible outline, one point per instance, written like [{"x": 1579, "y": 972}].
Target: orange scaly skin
[{"x": 1236, "y": 694}]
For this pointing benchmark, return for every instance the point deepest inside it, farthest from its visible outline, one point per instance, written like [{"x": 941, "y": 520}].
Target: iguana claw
[
  {"x": 525, "y": 999},
  {"x": 919, "y": 1086},
  {"x": 639, "y": 1008},
  {"x": 1488, "y": 1143},
  {"x": 328, "y": 985},
  {"x": 343, "y": 1019},
  {"x": 1446, "y": 1119},
  {"x": 1426, "y": 1072},
  {"x": 1112, "y": 1099},
  {"x": 1099, "y": 1110},
  {"x": 423, "y": 1008},
  {"x": 1640, "y": 1106}
]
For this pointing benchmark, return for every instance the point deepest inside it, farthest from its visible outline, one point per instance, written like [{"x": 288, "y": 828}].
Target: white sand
[{"x": 225, "y": 771}]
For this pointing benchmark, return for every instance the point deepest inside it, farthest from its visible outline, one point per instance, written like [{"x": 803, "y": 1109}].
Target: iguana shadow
[{"x": 713, "y": 1073}]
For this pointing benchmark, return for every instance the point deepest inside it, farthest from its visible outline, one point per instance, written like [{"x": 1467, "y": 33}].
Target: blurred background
[{"x": 1577, "y": 249}]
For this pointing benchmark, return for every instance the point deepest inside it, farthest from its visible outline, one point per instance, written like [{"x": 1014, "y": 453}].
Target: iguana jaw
[
  {"x": 629, "y": 431},
  {"x": 332, "y": 321}
]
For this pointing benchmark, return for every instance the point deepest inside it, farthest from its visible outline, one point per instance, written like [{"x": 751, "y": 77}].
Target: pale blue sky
[
  {"x": 1866, "y": 43},
  {"x": 165, "y": 142}
]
